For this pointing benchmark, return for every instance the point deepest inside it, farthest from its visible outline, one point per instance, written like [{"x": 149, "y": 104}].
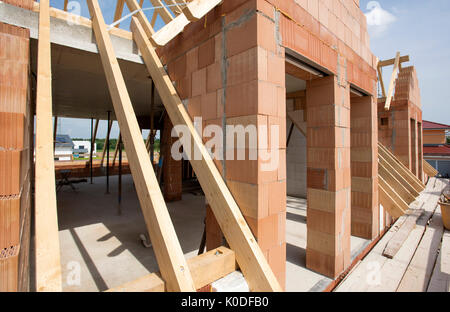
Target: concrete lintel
[{"x": 67, "y": 34}]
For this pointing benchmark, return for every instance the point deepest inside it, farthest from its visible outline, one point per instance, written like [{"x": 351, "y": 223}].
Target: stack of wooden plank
[
  {"x": 398, "y": 186},
  {"x": 406, "y": 258}
]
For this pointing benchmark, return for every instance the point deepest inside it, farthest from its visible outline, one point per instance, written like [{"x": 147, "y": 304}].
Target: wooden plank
[
  {"x": 171, "y": 261},
  {"x": 47, "y": 254},
  {"x": 175, "y": 8},
  {"x": 418, "y": 274},
  {"x": 170, "y": 31},
  {"x": 119, "y": 11},
  {"x": 211, "y": 266},
  {"x": 401, "y": 168},
  {"x": 440, "y": 280},
  {"x": 196, "y": 9},
  {"x": 248, "y": 254},
  {"x": 66, "y": 2},
  {"x": 398, "y": 176},
  {"x": 380, "y": 78},
  {"x": 389, "y": 62},
  {"x": 396, "y": 185},
  {"x": 390, "y": 93},
  {"x": 134, "y": 6},
  {"x": 428, "y": 169},
  {"x": 393, "y": 246},
  {"x": 205, "y": 269},
  {"x": 390, "y": 200}
]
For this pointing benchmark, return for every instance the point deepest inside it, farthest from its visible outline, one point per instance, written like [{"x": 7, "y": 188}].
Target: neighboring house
[
  {"x": 63, "y": 147},
  {"x": 435, "y": 148},
  {"x": 83, "y": 149}
]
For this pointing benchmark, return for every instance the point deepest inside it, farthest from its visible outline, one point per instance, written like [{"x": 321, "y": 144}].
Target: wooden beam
[
  {"x": 398, "y": 176},
  {"x": 119, "y": 11},
  {"x": 429, "y": 169},
  {"x": 248, "y": 254},
  {"x": 390, "y": 200},
  {"x": 170, "y": 31},
  {"x": 380, "y": 78},
  {"x": 162, "y": 11},
  {"x": 196, "y": 9},
  {"x": 176, "y": 8},
  {"x": 134, "y": 6},
  {"x": 171, "y": 261},
  {"x": 205, "y": 269},
  {"x": 392, "y": 82},
  {"x": 396, "y": 185},
  {"x": 389, "y": 62},
  {"x": 401, "y": 168},
  {"x": 66, "y": 2},
  {"x": 396, "y": 242},
  {"x": 47, "y": 254}
]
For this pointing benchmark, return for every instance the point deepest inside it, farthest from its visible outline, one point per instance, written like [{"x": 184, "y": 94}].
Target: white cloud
[{"x": 378, "y": 19}]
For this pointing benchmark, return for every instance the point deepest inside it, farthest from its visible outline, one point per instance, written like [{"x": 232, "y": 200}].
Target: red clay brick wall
[
  {"x": 172, "y": 188},
  {"x": 329, "y": 179},
  {"x": 15, "y": 173},
  {"x": 221, "y": 68},
  {"x": 396, "y": 135},
  {"x": 330, "y": 33},
  {"x": 364, "y": 167},
  {"x": 26, "y": 4}
]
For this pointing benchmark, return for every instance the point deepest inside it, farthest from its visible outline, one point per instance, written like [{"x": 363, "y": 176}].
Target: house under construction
[{"x": 350, "y": 157}]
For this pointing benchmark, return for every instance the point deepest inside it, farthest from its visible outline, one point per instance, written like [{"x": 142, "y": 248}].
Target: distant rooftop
[{"x": 434, "y": 125}]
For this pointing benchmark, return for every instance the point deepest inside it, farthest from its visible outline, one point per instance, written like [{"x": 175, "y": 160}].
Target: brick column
[
  {"x": 364, "y": 167},
  {"x": 16, "y": 124},
  {"x": 328, "y": 176},
  {"x": 172, "y": 188}
]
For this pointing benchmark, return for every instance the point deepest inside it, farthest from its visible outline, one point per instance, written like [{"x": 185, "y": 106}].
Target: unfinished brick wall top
[
  {"x": 329, "y": 33},
  {"x": 407, "y": 86}
]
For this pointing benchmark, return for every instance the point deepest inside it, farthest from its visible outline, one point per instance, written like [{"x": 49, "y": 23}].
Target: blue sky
[
  {"x": 414, "y": 27},
  {"x": 421, "y": 30}
]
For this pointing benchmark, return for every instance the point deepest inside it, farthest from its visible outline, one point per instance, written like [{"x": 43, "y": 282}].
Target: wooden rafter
[
  {"x": 401, "y": 168},
  {"x": 390, "y": 200},
  {"x": 119, "y": 11},
  {"x": 47, "y": 254},
  {"x": 390, "y": 92},
  {"x": 162, "y": 11},
  {"x": 238, "y": 234},
  {"x": 134, "y": 6},
  {"x": 428, "y": 169},
  {"x": 195, "y": 10},
  {"x": 172, "y": 264},
  {"x": 66, "y": 2}
]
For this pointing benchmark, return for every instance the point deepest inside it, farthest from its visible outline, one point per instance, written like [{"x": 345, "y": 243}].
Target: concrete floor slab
[{"x": 101, "y": 248}]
